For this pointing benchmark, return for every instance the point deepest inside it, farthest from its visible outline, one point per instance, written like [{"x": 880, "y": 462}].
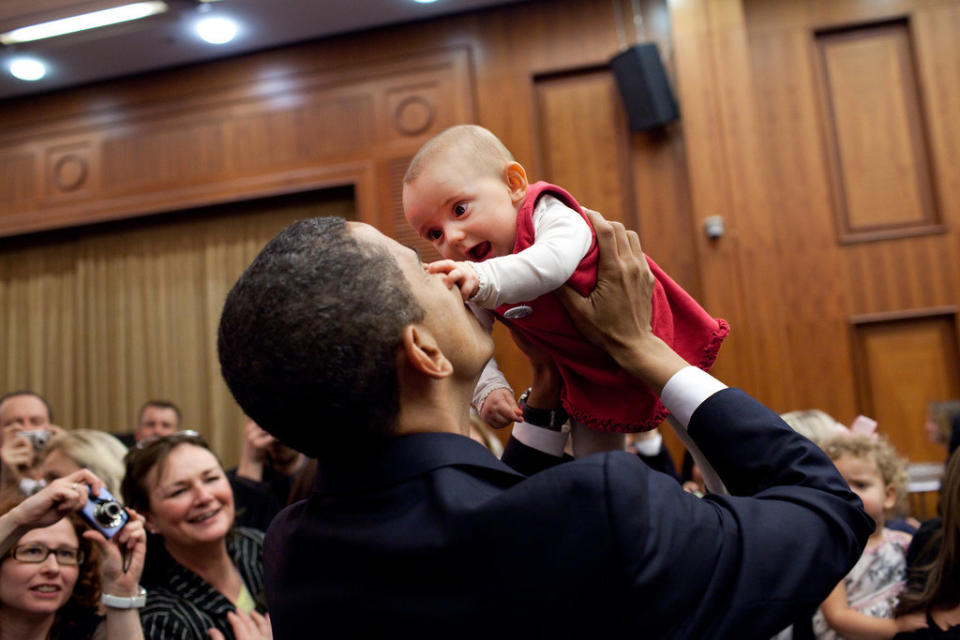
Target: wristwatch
[
  {"x": 118, "y": 602},
  {"x": 552, "y": 419}
]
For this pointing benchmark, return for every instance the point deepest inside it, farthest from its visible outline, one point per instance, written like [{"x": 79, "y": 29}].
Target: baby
[
  {"x": 508, "y": 244},
  {"x": 862, "y": 605}
]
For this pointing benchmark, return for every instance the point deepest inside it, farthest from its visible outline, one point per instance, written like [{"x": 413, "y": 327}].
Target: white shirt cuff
[
  {"x": 544, "y": 440},
  {"x": 686, "y": 390}
]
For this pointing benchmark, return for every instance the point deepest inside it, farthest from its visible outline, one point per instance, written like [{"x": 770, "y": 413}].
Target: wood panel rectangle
[
  {"x": 17, "y": 181},
  {"x": 582, "y": 141},
  {"x": 902, "y": 364},
  {"x": 163, "y": 154},
  {"x": 882, "y": 182}
]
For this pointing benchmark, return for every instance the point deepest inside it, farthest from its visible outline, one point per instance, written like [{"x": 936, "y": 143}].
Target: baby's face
[
  {"x": 465, "y": 212},
  {"x": 865, "y": 480}
]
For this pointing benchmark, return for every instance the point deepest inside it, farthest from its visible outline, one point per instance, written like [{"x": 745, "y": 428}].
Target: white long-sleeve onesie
[{"x": 561, "y": 240}]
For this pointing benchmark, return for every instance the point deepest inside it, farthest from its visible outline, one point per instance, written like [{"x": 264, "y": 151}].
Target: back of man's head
[{"x": 309, "y": 336}]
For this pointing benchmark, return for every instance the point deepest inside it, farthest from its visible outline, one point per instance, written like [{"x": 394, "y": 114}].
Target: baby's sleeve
[
  {"x": 491, "y": 378},
  {"x": 562, "y": 239}
]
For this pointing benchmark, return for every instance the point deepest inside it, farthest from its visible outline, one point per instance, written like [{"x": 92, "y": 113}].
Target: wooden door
[{"x": 826, "y": 136}]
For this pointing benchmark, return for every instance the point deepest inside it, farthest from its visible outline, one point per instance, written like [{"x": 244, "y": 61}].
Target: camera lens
[{"x": 108, "y": 513}]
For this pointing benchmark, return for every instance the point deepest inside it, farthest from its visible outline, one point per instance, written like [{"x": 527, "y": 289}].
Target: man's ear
[
  {"x": 422, "y": 353},
  {"x": 516, "y": 178}
]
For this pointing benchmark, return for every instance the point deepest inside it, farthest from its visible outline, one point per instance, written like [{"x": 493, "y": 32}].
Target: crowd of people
[
  {"x": 204, "y": 526},
  {"x": 371, "y": 499}
]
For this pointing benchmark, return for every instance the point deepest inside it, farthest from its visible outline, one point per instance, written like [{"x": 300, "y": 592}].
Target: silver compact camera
[
  {"x": 105, "y": 514},
  {"x": 37, "y": 437}
]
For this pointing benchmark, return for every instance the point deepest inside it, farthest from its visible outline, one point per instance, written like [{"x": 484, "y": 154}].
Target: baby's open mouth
[{"x": 479, "y": 251}]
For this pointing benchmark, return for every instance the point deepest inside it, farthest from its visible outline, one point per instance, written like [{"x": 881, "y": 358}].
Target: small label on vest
[{"x": 516, "y": 313}]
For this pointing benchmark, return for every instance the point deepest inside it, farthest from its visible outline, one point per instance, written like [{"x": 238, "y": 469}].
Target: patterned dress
[{"x": 875, "y": 582}]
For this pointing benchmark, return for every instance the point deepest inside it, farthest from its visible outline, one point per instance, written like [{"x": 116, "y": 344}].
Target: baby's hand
[
  {"x": 461, "y": 274},
  {"x": 500, "y": 408}
]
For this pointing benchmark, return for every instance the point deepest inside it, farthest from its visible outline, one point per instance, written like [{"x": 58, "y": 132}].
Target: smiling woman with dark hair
[{"x": 203, "y": 575}]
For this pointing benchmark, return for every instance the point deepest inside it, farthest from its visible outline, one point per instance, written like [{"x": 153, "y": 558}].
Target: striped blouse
[{"x": 186, "y": 606}]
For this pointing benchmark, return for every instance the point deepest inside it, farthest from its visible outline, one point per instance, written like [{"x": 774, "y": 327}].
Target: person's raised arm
[
  {"x": 44, "y": 508},
  {"x": 616, "y": 315}
]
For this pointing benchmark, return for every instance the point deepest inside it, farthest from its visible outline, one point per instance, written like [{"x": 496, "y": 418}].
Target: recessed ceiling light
[
  {"x": 425, "y": 1},
  {"x": 28, "y": 69},
  {"x": 217, "y": 30},
  {"x": 84, "y": 21}
]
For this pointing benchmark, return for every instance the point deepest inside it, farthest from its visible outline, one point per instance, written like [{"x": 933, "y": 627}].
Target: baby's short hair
[
  {"x": 479, "y": 143},
  {"x": 893, "y": 468}
]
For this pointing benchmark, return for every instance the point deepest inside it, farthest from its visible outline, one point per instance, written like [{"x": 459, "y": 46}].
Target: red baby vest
[{"x": 596, "y": 391}]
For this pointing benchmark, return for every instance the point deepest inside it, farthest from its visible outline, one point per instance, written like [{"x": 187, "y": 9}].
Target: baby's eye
[
  {"x": 434, "y": 234},
  {"x": 459, "y": 209}
]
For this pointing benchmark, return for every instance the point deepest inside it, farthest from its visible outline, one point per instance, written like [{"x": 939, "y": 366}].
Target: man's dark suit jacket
[{"x": 431, "y": 536}]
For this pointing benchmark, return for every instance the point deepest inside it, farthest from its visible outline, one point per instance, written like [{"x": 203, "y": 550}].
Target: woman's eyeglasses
[
  {"x": 185, "y": 435},
  {"x": 36, "y": 553}
]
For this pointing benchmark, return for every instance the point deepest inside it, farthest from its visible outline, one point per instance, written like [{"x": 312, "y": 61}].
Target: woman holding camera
[
  {"x": 204, "y": 576},
  {"x": 56, "y": 571}
]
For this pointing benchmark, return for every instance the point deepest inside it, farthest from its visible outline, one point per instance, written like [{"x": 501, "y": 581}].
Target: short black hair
[
  {"x": 28, "y": 392},
  {"x": 309, "y": 337}
]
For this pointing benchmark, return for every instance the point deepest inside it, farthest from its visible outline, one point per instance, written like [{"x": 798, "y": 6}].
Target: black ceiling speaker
[{"x": 643, "y": 85}]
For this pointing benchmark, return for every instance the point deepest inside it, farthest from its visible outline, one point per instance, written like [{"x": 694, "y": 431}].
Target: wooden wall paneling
[
  {"x": 19, "y": 178},
  {"x": 876, "y": 132},
  {"x": 664, "y": 214},
  {"x": 661, "y": 184},
  {"x": 236, "y": 142},
  {"x": 581, "y": 130},
  {"x": 719, "y": 261},
  {"x": 934, "y": 30},
  {"x": 776, "y": 15},
  {"x": 814, "y": 301},
  {"x": 728, "y": 178},
  {"x": 904, "y": 362},
  {"x": 907, "y": 274}
]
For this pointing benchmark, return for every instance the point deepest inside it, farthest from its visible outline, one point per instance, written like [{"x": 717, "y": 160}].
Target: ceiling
[{"x": 168, "y": 40}]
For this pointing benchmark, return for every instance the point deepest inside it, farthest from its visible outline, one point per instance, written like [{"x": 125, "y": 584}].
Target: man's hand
[
  {"x": 461, "y": 274},
  {"x": 500, "y": 408},
  {"x": 255, "y": 444},
  {"x": 16, "y": 454},
  {"x": 616, "y": 315}
]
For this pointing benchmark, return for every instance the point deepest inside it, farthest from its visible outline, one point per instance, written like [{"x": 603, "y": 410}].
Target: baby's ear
[
  {"x": 516, "y": 178},
  {"x": 890, "y": 499}
]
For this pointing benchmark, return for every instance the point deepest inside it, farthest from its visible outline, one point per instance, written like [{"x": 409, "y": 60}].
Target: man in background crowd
[
  {"x": 156, "y": 418},
  {"x": 23, "y": 411}
]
